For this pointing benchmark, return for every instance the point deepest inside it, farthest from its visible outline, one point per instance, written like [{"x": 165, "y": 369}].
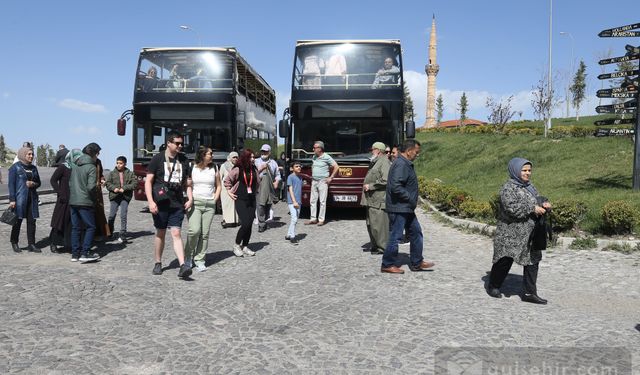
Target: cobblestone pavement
[{"x": 322, "y": 307}]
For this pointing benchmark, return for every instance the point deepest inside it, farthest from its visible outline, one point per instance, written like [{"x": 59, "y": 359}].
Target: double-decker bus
[
  {"x": 347, "y": 94},
  {"x": 211, "y": 95}
]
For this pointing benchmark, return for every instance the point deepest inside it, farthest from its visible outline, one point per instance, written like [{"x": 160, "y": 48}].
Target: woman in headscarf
[
  {"x": 102, "y": 225},
  {"x": 61, "y": 219},
  {"x": 242, "y": 185},
  {"x": 23, "y": 197},
  {"x": 229, "y": 216},
  {"x": 519, "y": 209}
]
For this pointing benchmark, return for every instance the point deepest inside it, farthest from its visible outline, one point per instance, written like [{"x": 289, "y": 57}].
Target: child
[
  {"x": 121, "y": 183},
  {"x": 294, "y": 196}
]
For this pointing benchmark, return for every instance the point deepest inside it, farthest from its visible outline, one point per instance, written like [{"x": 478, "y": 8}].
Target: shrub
[
  {"x": 471, "y": 208},
  {"x": 567, "y": 213},
  {"x": 495, "y": 204},
  {"x": 584, "y": 243},
  {"x": 618, "y": 217},
  {"x": 455, "y": 197},
  {"x": 620, "y": 247}
]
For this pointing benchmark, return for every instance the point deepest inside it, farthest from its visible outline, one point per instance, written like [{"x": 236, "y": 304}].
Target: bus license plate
[{"x": 345, "y": 198}]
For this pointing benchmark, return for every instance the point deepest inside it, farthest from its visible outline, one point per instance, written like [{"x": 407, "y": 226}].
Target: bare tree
[
  {"x": 500, "y": 112},
  {"x": 544, "y": 100},
  {"x": 601, "y": 55}
]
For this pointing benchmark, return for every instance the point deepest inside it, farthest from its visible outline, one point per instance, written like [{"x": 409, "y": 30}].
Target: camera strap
[{"x": 173, "y": 167}]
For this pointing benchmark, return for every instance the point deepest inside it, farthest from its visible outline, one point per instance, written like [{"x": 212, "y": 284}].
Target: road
[{"x": 321, "y": 307}]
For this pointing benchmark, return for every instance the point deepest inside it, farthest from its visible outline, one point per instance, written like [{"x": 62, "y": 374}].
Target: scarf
[
  {"x": 22, "y": 155},
  {"x": 514, "y": 168},
  {"x": 72, "y": 157}
]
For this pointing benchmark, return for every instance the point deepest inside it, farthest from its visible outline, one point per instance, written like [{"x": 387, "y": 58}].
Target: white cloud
[
  {"x": 81, "y": 130},
  {"x": 81, "y": 106}
]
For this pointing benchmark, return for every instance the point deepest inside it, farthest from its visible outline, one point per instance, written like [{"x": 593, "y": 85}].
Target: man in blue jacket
[{"x": 401, "y": 202}]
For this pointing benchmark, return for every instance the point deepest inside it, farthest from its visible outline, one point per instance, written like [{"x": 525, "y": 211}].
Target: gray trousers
[
  {"x": 319, "y": 190},
  {"x": 263, "y": 215},
  {"x": 378, "y": 228},
  {"x": 113, "y": 211}
]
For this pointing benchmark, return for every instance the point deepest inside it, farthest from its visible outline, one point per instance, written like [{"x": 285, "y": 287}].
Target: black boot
[
  {"x": 493, "y": 292},
  {"x": 32, "y": 248},
  {"x": 15, "y": 247}
]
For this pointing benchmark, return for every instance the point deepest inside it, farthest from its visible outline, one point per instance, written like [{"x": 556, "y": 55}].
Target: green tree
[
  {"x": 463, "y": 106},
  {"x": 3, "y": 150},
  {"x": 622, "y": 66},
  {"x": 408, "y": 103},
  {"x": 51, "y": 157},
  {"x": 439, "y": 109},
  {"x": 578, "y": 88},
  {"x": 42, "y": 155}
]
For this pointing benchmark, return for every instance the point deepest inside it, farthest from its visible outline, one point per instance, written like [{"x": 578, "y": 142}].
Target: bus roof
[
  {"x": 232, "y": 50},
  {"x": 339, "y": 41}
]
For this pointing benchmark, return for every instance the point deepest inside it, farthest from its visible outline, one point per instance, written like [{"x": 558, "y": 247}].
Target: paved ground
[{"x": 320, "y": 307}]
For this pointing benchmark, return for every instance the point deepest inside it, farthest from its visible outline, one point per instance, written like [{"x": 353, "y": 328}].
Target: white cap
[{"x": 265, "y": 147}]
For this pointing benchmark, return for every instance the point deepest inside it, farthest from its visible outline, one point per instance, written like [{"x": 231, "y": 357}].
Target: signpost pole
[{"x": 636, "y": 150}]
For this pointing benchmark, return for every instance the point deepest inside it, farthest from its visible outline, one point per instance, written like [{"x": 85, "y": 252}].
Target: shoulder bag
[{"x": 9, "y": 217}]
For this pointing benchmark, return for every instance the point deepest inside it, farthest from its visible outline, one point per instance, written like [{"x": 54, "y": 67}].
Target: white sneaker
[
  {"x": 200, "y": 267},
  {"x": 237, "y": 251},
  {"x": 248, "y": 252}
]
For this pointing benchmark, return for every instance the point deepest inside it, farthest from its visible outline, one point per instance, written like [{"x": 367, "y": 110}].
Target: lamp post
[
  {"x": 549, "y": 87},
  {"x": 186, "y": 27},
  {"x": 571, "y": 67}
]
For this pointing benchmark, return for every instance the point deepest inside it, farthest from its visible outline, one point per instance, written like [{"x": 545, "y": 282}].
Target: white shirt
[{"x": 204, "y": 182}]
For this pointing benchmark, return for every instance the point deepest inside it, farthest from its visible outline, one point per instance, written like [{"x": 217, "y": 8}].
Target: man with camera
[{"x": 168, "y": 177}]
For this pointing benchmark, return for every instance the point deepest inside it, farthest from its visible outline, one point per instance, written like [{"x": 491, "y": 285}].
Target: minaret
[{"x": 431, "y": 69}]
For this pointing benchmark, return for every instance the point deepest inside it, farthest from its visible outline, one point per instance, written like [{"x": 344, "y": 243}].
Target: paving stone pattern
[{"x": 321, "y": 307}]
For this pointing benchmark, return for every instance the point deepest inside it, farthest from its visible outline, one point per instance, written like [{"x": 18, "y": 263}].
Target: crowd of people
[{"x": 247, "y": 187}]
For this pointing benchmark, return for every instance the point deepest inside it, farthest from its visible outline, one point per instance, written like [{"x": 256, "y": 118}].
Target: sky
[{"x": 69, "y": 66}]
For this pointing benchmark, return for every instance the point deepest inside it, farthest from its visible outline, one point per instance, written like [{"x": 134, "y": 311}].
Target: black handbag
[
  {"x": 542, "y": 229},
  {"x": 9, "y": 217},
  {"x": 160, "y": 190}
]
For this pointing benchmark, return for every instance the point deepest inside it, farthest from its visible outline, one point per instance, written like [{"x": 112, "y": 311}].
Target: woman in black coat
[{"x": 61, "y": 219}]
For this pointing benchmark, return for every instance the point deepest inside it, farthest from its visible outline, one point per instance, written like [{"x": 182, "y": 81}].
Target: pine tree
[
  {"x": 439, "y": 109},
  {"x": 408, "y": 103},
  {"x": 578, "y": 88},
  {"x": 41, "y": 155},
  {"x": 463, "y": 105},
  {"x": 3, "y": 150}
]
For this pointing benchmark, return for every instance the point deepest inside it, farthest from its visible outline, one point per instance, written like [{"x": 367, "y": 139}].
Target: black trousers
[
  {"x": 31, "y": 226},
  {"x": 246, "y": 210},
  {"x": 501, "y": 268}
]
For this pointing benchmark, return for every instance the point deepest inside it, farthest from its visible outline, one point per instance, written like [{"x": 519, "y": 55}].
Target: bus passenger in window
[
  {"x": 150, "y": 81},
  {"x": 313, "y": 66},
  {"x": 175, "y": 80},
  {"x": 335, "y": 71},
  {"x": 200, "y": 80},
  {"x": 387, "y": 76}
]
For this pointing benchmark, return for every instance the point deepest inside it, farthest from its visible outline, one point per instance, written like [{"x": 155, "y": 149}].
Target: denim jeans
[
  {"x": 398, "y": 222},
  {"x": 79, "y": 216},
  {"x": 295, "y": 213}
]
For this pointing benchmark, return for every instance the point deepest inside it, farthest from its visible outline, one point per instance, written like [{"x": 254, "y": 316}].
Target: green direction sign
[
  {"x": 629, "y": 57},
  {"x": 615, "y": 121},
  {"x": 611, "y": 109},
  {"x": 624, "y": 73}
]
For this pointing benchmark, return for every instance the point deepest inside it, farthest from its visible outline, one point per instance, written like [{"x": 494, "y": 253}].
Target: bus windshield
[
  {"x": 150, "y": 137},
  {"x": 347, "y": 66},
  {"x": 184, "y": 71}
]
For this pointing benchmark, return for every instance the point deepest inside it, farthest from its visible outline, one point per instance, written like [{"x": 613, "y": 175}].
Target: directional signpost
[{"x": 628, "y": 89}]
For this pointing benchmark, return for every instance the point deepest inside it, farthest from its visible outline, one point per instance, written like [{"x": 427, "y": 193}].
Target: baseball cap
[
  {"x": 265, "y": 147},
  {"x": 379, "y": 145}
]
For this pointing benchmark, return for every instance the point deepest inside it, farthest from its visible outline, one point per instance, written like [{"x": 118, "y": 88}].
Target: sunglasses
[{"x": 178, "y": 143}]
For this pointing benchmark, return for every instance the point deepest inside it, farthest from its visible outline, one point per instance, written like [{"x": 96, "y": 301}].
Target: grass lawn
[{"x": 594, "y": 170}]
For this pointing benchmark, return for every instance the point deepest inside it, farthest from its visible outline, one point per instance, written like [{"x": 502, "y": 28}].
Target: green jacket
[
  {"x": 113, "y": 181},
  {"x": 377, "y": 180},
  {"x": 82, "y": 184}
]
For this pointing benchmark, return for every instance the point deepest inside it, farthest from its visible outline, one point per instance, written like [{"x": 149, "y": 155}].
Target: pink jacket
[{"x": 231, "y": 182}]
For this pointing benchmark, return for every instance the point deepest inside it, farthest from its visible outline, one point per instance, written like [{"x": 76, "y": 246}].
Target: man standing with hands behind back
[
  {"x": 374, "y": 191},
  {"x": 401, "y": 202},
  {"x": 322, "y": 164}
]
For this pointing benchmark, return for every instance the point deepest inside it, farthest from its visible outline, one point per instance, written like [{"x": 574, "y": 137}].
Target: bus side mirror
[
  {"x": 410, "y": 129},
  {"x": 122, "y": 126},
  {"x": 283, "y": 128}
]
